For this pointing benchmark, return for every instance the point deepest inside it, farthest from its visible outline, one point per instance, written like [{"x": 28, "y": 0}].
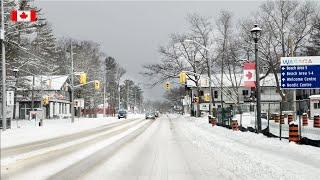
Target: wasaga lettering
[{"x": 297, "y": 61}]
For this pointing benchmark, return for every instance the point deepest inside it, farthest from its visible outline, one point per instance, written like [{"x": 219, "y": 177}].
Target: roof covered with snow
[
  {"x": 47, "y": 82},
  {"x": 316, "y": 96},
  {"x": 268, "y": 81}
]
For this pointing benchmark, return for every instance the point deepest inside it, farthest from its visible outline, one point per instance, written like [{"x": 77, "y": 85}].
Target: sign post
[
  {"x": 300, "y": 72},
  {"x": 10, "y": 98}
]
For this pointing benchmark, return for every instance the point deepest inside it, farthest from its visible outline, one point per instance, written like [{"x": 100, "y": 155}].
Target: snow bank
[
  {"x": 29, "y": 132},
  {"x": 252, "y": 156}
]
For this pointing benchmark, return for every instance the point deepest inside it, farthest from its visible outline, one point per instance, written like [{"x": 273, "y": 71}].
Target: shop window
[
  {"x": 215, "y": 94},
  {"x": 245, "y": 92}
]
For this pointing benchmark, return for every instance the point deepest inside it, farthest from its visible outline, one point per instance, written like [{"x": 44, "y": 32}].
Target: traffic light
[
  {"x": 83, "y": 78},
  {"x": 167, "y": 85},
  {"x": 207, "y": 97},
  {"x": 182, "y": 77},
  {"x": 196, "y": 99},
  {"x": 45, "y": 100},
  {"x": 96, "y": 85}
]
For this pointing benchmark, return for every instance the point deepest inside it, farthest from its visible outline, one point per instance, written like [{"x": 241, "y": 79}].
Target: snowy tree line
[
  {"x": 289, "y": 28},
  {"x": 33, "y": 48}
]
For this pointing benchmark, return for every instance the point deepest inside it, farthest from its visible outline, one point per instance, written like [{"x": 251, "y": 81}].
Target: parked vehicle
[
  {"x": 150, "y": 115},
  {"x": 122, "y": 114},
  {"x": 156, "y": 114}
]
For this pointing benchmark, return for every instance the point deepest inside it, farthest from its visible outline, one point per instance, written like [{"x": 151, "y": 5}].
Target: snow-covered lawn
[{"x": 29, "y": 131}]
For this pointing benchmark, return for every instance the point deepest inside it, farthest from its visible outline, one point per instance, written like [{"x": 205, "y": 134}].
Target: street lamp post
[
  {"x": 209, "y": 73},
  {"x": 15, "y": 73},
  {"x": 256, "y": 33}
]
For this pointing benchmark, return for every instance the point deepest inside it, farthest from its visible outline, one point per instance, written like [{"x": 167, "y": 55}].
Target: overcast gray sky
[{"x": 132, "y": 31}]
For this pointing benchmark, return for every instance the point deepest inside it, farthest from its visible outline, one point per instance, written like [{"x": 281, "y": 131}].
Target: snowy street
[
  {"x": 152, "y": 90},
  {"x": 170, "y": 147}
]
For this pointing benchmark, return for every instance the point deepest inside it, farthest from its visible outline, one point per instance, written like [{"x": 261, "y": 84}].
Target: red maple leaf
[
  {"x": 249, "y": 75},
  {"x": 23, "y": 15}
]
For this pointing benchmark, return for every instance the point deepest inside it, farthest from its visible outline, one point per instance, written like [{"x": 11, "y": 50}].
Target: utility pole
[
  {"x": 104, "y": 98},
  {"x": 104, "y": 89},
  {"x": 221, "y": 85},
  {"x": 15, "y": 72},
  {"x": 119, "y": 105},
  {"x": 211, "y": 102},
  {"x": 4, "y": 93},
  {"x": 135, "y": 102},
  {"x": 127, "y": 95},
  {"x": 32, "y": 92},
  {"x": 72, "y": 83}
]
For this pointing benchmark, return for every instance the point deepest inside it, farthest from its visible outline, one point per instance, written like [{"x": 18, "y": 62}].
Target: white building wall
[
  {"x": 51, "y": 109},
  {"x": 56, "y": 106}
]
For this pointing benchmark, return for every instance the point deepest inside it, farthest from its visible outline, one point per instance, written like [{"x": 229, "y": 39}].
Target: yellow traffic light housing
[
  {"x": 83, "y": 78},
  {"x": 196, "y": 99},
  {"x": 167, "y": 85},
  {"x": 207, "y": 97},
  {"x": 45, "y": 100},
  {"x": 96, "y": 85},
  {"x": 182, "y": 77}
]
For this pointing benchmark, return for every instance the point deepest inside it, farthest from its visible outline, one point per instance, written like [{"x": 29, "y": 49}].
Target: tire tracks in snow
[
  {"x": 87, "y": 164},
  {"x": 30, "y": 162}
]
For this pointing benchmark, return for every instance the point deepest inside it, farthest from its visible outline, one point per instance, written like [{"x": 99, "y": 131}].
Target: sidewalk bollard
[
  {"x": 290, "y": 118},
  {"x": 305, "y": 119},
  {"x": 293, "y": 132},
  {"x": 40, "y": 122},
  {"x": 316, "y": 121},
  {"x": 282, "y": 118},
  {"x": 213, "y": 121},
  {"x": 234, "y": 125},
  {"x": 277, "y": 118}
]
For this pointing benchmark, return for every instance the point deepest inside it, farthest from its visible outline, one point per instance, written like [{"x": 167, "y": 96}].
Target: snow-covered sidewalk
[
  {"x": 249, "y": 119},
  {"x": 249, "y": 155},
  {"x": 30, "y": 132}
]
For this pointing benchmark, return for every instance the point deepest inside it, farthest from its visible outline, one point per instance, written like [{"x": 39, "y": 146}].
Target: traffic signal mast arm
[
  {"x": 221, "y": 89},
  {"x": 84, "y": 84}
]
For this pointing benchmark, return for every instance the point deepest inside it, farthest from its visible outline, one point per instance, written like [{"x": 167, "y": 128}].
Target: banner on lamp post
[{"x": 249, "y": 74}]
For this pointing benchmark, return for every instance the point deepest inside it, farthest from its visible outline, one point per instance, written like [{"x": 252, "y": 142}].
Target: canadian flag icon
[
  {"x": 23, "y": 16},
  {"x": 249, "y": 74}
]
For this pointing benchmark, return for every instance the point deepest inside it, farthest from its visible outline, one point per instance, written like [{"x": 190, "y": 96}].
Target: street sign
[
  {"x": 300, "y": 72},
  {"x": 249, "y": 70},
  {"x": 79, "y": 103},
  {"x": 204, "y": 107},
  {"x": 10, "y": 98}
]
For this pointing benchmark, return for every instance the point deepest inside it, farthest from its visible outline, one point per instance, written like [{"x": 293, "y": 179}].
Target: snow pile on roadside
[
  {"x": 249, "y": 119},
  {"x": 252, "y": 156},
  {"x": 29, "y": 132}
]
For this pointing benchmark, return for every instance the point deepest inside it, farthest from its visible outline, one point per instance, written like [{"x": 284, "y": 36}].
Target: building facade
[{"x": 54, "y": 87}]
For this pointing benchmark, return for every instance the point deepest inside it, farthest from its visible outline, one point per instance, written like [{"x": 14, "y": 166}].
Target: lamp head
[
  {"x": 15, "y": 71},
  {"x": 256, "y": 32}
]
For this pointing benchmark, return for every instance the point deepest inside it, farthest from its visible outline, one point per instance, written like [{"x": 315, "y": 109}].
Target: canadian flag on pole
[
  {"x": 249, "y": 70},
  {"x": 23, "y": 16}
]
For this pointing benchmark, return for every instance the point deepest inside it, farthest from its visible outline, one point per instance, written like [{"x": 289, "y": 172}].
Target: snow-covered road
[
  {"x": 188, "y": 148},
  {"x": 171, "y": 147}
]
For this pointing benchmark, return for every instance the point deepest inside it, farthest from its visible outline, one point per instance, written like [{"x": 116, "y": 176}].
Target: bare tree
[
  {"x": 286, "y": 27},
  {"x": 180, "y": 55}
]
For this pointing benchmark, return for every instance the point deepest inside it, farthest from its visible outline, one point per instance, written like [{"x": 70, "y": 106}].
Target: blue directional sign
[{"x": 300, "y": 72}]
